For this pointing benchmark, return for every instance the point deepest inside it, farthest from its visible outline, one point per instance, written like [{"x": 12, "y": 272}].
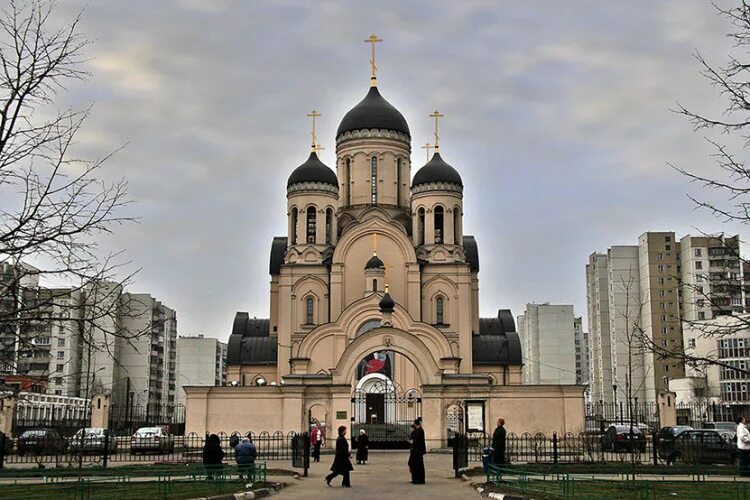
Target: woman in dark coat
[
  {"x": 213, "y": 456},
  {"x": 342, "y": 463},
  {"x": 416, "y": 455},
  {"x": 363, "y": 441}
]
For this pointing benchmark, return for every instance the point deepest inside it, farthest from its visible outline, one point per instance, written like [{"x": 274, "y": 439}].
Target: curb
[
  {"x": 248, "y": 495},
  {"x": 499, "y": 496}
]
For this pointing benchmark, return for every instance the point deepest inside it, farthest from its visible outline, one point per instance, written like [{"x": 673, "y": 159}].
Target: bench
[{"x": 250, "y": 473}]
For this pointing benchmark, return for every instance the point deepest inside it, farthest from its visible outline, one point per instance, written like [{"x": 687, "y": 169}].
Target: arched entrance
[
  {"x": 454, "y": 421},
  {"x": 384, "y": 411}
]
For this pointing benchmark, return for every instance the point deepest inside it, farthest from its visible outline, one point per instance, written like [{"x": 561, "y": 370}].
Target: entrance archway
[{"x": 454, "y": 421}]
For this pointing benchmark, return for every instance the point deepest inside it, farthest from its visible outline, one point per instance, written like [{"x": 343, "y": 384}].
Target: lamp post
[{"x": 614, "y": 393}]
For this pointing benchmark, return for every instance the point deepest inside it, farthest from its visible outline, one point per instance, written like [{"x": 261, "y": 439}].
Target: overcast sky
[{"x": 556, "y": 115}]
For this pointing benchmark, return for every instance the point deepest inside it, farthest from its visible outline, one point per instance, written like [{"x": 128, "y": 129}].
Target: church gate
[{"x": 385, "y": 412}]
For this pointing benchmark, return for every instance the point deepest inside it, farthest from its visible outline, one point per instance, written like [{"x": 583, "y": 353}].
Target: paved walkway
[{"x": 386, "y": 475}]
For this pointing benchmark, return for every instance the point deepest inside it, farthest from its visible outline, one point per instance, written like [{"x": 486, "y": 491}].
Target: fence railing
[{"x": 109, "y": 449}]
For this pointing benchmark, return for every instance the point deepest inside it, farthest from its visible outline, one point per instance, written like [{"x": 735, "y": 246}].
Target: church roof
[
  {"x": 313, "y": 170},
  {"x": 278, "y": 250},
  {"x": 471, "y": 251},
  {"x": 497, "y": 342},
  {"x": 374, "y": 263},
  {"x": 373, "y": 112},
  {"x": 436, "y": 170},
  {"x": 387, "y": 303},
  {"x": 250, "y": 342}
]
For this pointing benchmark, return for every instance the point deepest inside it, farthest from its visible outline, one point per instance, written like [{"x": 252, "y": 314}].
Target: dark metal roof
[
  {"x": 436, "y": 170},
  {"x": 497, "y": 342},
  {"x": 386, "y": 303},
  {"x": 250, "y": 342},
  {"x": 373, "y": 112},
  {"x": 313, "y": 170},
  {"x": 374, "y": 263},
  {"x": 278, "y": 250},
  {"x": 471, "y": 251}
]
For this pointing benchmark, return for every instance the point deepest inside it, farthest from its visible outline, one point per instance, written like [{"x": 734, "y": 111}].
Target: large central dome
[{"x": 373, "y": 112}]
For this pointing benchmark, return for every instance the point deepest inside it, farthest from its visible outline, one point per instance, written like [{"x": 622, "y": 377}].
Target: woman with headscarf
[
  {"x": 363, "y": 442},
  {"x": 213, "y": 456}
]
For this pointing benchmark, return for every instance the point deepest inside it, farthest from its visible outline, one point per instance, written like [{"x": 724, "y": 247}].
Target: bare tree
[{"x": 54, "y": 205}]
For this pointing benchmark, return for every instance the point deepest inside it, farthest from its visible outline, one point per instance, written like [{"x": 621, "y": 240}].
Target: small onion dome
[
  {"x": 374, "y": 262},
  {"x": 386, "y": 303},
  {"x": 313, "y": 170},
  {"x": 436, "y": 170},
  {"x": 373, "y": 112}
]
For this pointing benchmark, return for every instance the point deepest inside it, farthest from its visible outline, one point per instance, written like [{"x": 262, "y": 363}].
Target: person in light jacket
[{"x": 743, "y": 446}]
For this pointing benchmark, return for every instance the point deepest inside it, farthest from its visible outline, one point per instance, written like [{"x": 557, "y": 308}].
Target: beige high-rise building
[
  {"x": 548, "y": 338},
  {"x": 200, "y": 361},
  {"x": 597, "y": 305}
]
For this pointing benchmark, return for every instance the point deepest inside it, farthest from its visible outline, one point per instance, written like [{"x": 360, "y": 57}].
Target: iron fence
[
  {"x": 76, "y": 451},
  {"x": 124, "y": 420}
]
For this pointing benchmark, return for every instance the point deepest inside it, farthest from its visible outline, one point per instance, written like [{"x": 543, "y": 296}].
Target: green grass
[{"x": 619, "y": 468}]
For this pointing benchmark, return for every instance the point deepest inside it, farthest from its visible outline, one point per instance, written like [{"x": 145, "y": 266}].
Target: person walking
[
  {"x": 213, "y": 456},
  {"x": 743, "y": 446},
  {"x": 498, "y": 442},
  {"x": 342, "y": 463},
  {"x": 417, "y": 453},
  {"x": 316, "y": 438},
  {"x": 363, "y": 441},
  {"x": 245, "y": 454}
]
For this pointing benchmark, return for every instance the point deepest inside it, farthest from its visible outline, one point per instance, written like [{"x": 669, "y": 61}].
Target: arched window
[
  {"x": 329, "y": 226},
  {"x": 439, "y": 311},
  {"x": 293, "y": 229},
  {"x": 375, "y": 285},
  {"x": 420, "y": 226},
  {"x": 439, "y": 234},
  {"x": 348, "y": 181},
  {"x": 309, "y": 308},
  {"x": 311, "y": 224},
  {"x": 398, "y": 181},
  {"x": 456, "y": 225},
  {"x": 374, "y": 180}
]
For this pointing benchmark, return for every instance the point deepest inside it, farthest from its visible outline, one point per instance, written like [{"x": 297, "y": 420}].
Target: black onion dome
[
  {"x": 386, "y": 303},
  {"x": 374, "y": 263},
  {"x": 313, "y": 170},
  {"x": 373, "y": 112},
  {"x": 436, "y": 170}
]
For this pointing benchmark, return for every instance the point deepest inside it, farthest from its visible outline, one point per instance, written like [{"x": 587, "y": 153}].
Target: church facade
[{"x": 374, "y": 307}]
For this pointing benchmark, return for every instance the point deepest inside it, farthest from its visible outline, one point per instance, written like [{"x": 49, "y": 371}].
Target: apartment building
[
  {"x": 548, "y": 338},
  {"x": 581, "y": 341},
  {"x": 200, "y": 361},
  {"x": 597, "y": 305}
]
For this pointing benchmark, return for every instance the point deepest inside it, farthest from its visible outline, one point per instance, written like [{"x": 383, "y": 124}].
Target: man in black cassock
[
  {"x": 417, "y": 453},
  {"x": 498, "y": 442}
]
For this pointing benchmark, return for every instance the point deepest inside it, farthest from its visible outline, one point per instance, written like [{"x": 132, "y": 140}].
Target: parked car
[
  {"x": 152, "y": 439},
  {"x": 667, "y": 434},
  {"x": 91, "y": 440},
  {"x": 698, "y": 447},
  {"x": 41, "y": 442},
  {"x": 623, "y": 438},
  {"x": 728, "y": 430}
]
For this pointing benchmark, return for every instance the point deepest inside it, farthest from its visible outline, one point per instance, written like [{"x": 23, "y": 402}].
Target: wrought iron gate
[{"x": 385, "y": 413}]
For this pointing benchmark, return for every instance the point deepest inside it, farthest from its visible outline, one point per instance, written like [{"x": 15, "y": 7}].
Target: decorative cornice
[
  {"x": 438, "y": 186},
  {"x": 372, "y": 133},
  {"x": 322, "y": 187}
]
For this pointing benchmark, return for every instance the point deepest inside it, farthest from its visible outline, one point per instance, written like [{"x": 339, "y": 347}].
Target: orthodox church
[{"x": 374, "y": 306}]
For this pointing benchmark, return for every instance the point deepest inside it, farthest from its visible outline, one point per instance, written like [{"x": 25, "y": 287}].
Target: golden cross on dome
[
  {"x": 315, "y": 146},
  {"x": 436, "y": 116},
  {"x": 427, "y": 146},
  {"x": 317, "y": 149},
  {"x": 372, "y": 40}
]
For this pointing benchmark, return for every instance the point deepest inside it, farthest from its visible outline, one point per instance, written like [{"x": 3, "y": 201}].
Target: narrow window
[
  {"x": 374, "y": 180},
  {"x": 311, "y": 224},
  {"x": 439, "y": 224},
  {"x": 329, "y": 226},
  {"x": 348, "y": 181},
  {"x": 398, "y": 181},
  {"x": 293, "y": 236},
  {"x": 309, "y": 311},
  {"x": 456, "y": 226},
  {"x": 439, "y": 309},
  {"x": 420, "y": 226},
  {"x": 375, "y": 285}
]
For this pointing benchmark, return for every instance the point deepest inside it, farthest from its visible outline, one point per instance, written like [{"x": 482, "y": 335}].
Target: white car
[
  {"x": 152, "y": 439},
  {"x": 91, "y": 439}
]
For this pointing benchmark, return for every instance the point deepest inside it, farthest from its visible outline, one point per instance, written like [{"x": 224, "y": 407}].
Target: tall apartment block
[
  {"x": 581, "y": 341},
  {"x": 200, "y": 361},
  {"x": 651, "y": 288},
  {"x": 548, "y": 338}
]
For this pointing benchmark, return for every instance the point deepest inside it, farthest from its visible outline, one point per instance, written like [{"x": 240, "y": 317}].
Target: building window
[
  {"x": 667, "y": 239},
  {"x": 374, "y": 285},
  {"x": 439, "y": 234},
  {"x": 439, "y": 311},
  {"x": 420, "y": 226},
  {"x": 374, "y": 180},
  {"x": 60, "y": 367},
  {"x": 698, "y": 252},
  {"x": 691, "y": 343},
  {"x": 699, "y": 264},
  {"x": 456, "y": 225},
  {"x": 348, "y": 181},
  {"x": 701, "y": 315},
  {"x": 667, "y": 247},
  {"x": 61, "y": 342},
  {"x": 293, "y": 229},
  {"x": 60, "y": 354},
  {"x": 309, "y": 303},
  {"x": 311, "y": 224},
  {"x": 329, "y": 226},
  {"x": 398, "y": 181}
]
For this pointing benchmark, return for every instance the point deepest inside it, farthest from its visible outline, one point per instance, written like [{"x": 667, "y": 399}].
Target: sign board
[
  {"x": 475, "y": 416},
  {"x": 341, "y": 415}
]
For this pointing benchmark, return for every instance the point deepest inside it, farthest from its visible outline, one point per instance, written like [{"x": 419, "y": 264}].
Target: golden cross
[
  {"x": 427, "y": 146},
  {"x": 436, "y": 116},
  {"x": 372, "y": 40},
  {"x": 317, "y": 149},
  {"x": 314, "y": 114}
]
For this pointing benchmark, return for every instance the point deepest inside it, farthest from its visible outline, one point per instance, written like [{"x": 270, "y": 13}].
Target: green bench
[{"x": 226, "y": 472}]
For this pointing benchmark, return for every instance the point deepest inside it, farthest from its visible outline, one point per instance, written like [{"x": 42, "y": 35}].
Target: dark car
[
  {"x": 698, "y": 447},
  {"x": 728, "y": 430},
  {"x": 623, "y": 438},
  {"x": 667, "y": 434},
  {"x": 41, "y": 442}
]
